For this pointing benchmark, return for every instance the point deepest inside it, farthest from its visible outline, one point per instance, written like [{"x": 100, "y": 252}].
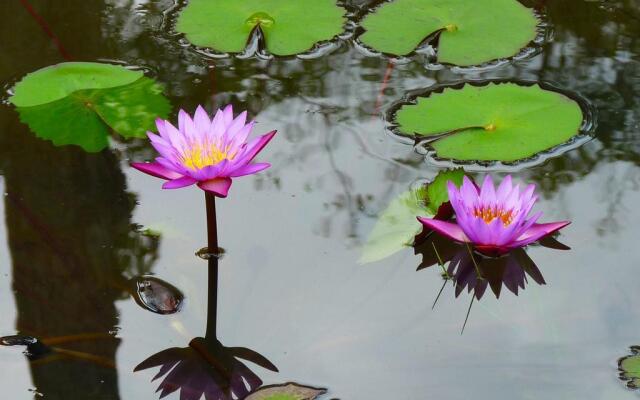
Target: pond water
[{"x": 80, "y": 227}]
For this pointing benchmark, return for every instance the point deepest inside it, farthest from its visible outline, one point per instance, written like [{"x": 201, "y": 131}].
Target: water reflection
[
  {"x": 74, "y": 250},
  {"x": 207, "y": 367},
  {"x": 471, "y": 271}
]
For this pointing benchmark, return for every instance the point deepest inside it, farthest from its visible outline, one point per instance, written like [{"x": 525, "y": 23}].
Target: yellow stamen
[
  {"x": 488, "y": 214},
  {"x": 490, "y": 128},
  {"x": 199, "y": 157},
  {"x": 451, "y": 27}
]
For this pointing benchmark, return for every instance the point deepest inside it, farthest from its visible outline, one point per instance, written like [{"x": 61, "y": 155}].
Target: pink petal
[
  {"x": 249, "y": 169},
  {"x": 504, "y": 189},
  {"x": 538, "y": 231},
  {"x": 227, "y": 115},
  {"x": 201, "y": 120},
  {"x": 157, "y": 170},
  {"x": 488, "y": 192},
  {"x": 179, "y": 183},
  {"x": 255, "y": 146},
  {"x": 468, "y": 193},
  {"x": 219, "y": 186},
  {"x": 444, "y": 228}
]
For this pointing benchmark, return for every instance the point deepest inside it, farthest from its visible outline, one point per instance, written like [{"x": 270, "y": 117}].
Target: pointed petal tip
[
  {"x": 447, "y": 229},
  {"x": 156, "y": 170}
]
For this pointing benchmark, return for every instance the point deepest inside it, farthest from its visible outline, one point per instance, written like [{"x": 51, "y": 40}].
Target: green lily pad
[
  {"x": 630, "y": 368},
  {"x": 86, "y": 117},
  {"x": 289, "y": 27},
  {"x": 397, "y": 225},
  {"x": 287, "y": 391},
  {"x": 497, "y": 122},
  {"x": 58, "y": 81},
  {"x": 471, "y": 32}
]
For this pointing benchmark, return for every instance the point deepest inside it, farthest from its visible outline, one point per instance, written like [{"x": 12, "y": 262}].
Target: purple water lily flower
[
  {"x": 209, "y": 152},
  {"x": 493, "y": 221}
]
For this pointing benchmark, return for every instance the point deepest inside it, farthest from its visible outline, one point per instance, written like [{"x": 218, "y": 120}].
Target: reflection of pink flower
[
  {"x": 205, "y": 151},
  {"x": 493, "y": 221},
  {"x": 206, "y": 368}
]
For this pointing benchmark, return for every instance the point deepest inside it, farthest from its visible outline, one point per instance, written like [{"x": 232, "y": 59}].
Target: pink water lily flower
[
  {"x": 209, "y": 152},
  {"x": 493, "y": 221}
]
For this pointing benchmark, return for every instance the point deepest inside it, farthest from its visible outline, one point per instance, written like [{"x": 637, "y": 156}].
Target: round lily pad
[
  {"x": 58, "y": 81},
  {"x": 470, "y": 32},
  {"x": 289, "y": 27},
  {"x": 397, "y": 225},
  {"x": 497, "y": 122},
  {"x": 80, "y": 103}
]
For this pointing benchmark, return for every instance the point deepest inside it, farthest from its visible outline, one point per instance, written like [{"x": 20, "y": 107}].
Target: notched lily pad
[
  {"x": 289, "y": 27},
  {"x": 397, "y": 225},
  {"x": 468, "y": 32},
  {"x": 80, "y": 103},
  {"x": 504, "y": 122},
  {"x": 629, "y": 368},
  {"x": 287, "y": 391}
]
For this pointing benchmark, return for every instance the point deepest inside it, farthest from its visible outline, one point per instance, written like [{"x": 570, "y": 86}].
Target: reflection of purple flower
[
  {"x": 205, "y": 151},
  {"x": 493, "y": 221},
  {"x": 206, "y": 368}
]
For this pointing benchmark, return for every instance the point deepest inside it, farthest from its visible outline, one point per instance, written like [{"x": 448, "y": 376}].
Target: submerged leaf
[
  {"x": 91, "y": 105},
  {"x": 397, "y": 225},
  {"x": 289, "y": 27},
  {"x": 287, "y": 391},
  {"x": 470, "y": 32},
  {"x": 497, "y": 122}
]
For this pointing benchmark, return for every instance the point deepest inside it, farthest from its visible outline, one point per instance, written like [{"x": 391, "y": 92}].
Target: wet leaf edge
[
  {"x": 585, "y": 134},
  {"x": 319, "y": 50},
  {"x": 544, "y": 34},
  {"x": 629, "y": 381}
]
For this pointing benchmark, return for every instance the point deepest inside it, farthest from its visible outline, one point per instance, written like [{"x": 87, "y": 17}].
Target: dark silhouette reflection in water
[
  {"x": 470, "y": 270},
  {"x": 74, "y": 253},
  {"x": 206, "y": 367}
]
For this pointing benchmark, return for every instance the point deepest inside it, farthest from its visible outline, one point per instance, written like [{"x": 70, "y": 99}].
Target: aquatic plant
[
  {"x": 287, "y": 27},
  {"x": 82, "y": 103},
  {"x": 397, "y": 227},
  {"x": 209, "y": 152},
  {"x": 464, "y": 32},
  {"x": 495, "y": 122},
  {"x": 493, "y": 221},
  {"x": 286, "y": 391}
]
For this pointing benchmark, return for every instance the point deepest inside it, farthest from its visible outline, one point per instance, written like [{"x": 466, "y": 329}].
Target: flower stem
[{"x": 212, "y": 245}]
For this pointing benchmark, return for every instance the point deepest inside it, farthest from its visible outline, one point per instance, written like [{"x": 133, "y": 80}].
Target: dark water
[{"x": 290, "y": 285}]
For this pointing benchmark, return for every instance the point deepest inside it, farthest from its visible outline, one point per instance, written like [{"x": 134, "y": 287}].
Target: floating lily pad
[
  {"x": 58, "y": 81},
  {"x": 469, "y": 32},
  {"x": 80, "y": 103},
  {"x": 397, "y": 225},
  {"x": 630, "y": 368},
  {"x": 289, "y": 27},
  {"x": 287, "y": 391},
  {"x": 497, "y": 122}
]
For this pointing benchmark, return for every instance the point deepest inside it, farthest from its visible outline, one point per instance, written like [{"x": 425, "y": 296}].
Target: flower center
[
  {"x": 199, "y": 157},
  {"x": 488, "y": 214}
]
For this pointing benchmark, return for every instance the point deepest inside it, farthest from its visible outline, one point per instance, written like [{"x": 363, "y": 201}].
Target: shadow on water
[
  {"x": 74, "y": 250},
  {"x": 206, "y": 367},
  {"x": 475, "y": 272}
]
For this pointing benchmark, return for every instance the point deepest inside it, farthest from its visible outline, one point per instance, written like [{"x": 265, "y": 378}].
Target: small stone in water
[{"x": 157, "y": 295}]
